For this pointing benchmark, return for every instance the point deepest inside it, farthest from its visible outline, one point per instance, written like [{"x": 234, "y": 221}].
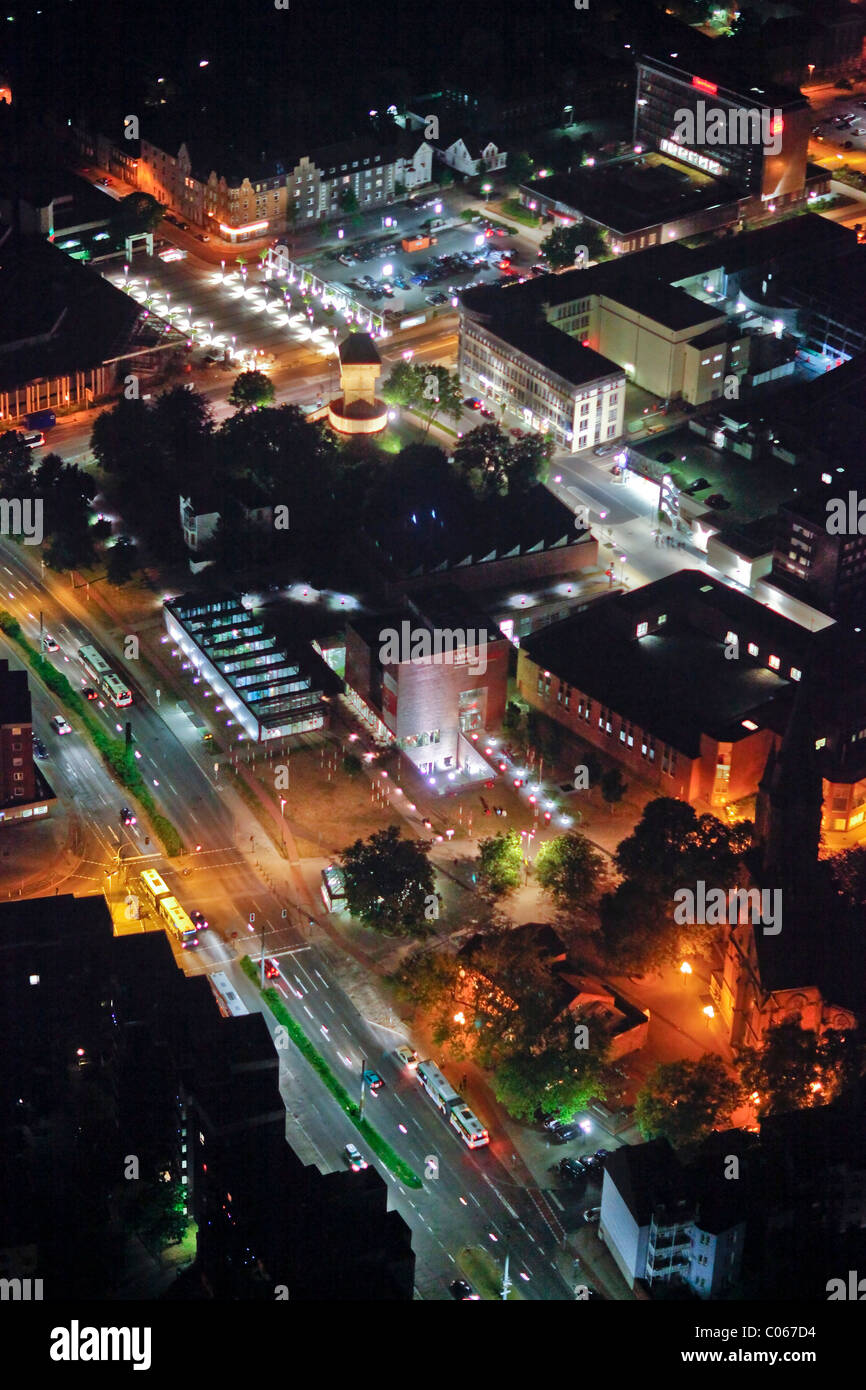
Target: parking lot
[
  {"x": 406, "y": 283},
  {"x": 842, "y": 121}
]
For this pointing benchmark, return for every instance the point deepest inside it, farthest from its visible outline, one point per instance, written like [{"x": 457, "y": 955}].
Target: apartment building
[
  {"x": 241, "y": 197},
  {"x": 665, "y": 1224}
]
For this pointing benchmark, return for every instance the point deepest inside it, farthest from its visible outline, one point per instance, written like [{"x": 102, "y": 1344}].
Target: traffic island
[{"x": 483, "y": 1272}]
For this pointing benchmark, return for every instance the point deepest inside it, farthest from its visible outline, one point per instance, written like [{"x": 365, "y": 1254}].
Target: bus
[
  {"x": 440, "y": 1091},
  {"x": 334, "y": 888},
  {"x": 468, "y": 1126},
  {"x": 153, "y": 887},
  {"x": 177, "y": 921},
  {"x": 112, "y": 686},
  {"x": 443, "y": 1095},
  {"x": 230, "y": 1003}
]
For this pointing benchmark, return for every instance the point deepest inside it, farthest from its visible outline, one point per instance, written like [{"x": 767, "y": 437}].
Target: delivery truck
[{"x": 40, "y": 420}]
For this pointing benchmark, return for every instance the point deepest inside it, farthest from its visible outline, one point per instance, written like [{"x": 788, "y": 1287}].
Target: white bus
[
  {"x": 468, "y": 1126},
  {"x": 440, "y": 1091},
  {"x": 443, "y": 1095},
  {"x": 112, "y": 686},
  {"x": 230, "y": 1003}
]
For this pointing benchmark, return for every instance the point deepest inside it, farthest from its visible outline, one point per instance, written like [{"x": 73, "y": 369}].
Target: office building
[
  {"x": 431, "y": 676},
  {"x": 764, "y": 160},
  {"x": 268, "y": 686}
]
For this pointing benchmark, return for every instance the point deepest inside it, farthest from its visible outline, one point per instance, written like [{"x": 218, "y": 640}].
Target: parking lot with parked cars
[{"x": 409, "y": 282}]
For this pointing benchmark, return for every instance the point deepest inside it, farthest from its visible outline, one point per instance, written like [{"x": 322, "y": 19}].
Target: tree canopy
[
  {"x": 496, "y": 464},
  {"x": 500, "y": 863},
  {"x": 684, "y": 1101},
  {"x": 570, "y": 869},
  {"x": 389, "y": 882},
  {"x": 797, "y": 1068}
]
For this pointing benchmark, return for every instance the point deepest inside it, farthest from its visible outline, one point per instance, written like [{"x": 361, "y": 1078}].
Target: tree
[
  {"x": 560, "y": 247},
  {"x": 122, "y": 561},
  {"x": 426, "y": 390},
  {"x": 637, "y": 929},
  {"x": 849, "y": 874},
  {"x": 426, "y": 980},
  {"x": 613, "y": 788},
  {"x": 570, "y": 869},
  {"x": 672, "y": 845},
  {"x": 137, "y": 212},
  {"x": 496, "y": 465},
  {"x": 441, "y": 391},
  {"x": 389, "y": 882},
  {"x": 796, "y": 1068},
  {"x": 684, "y": 1101},
  {"x": 558, "y": 1079},
  {"x": 122, "y": 436},
  {"x": 519, "y": 166},
  {"x": 349, "y": 205},
  {"x": 500, "y": 862},
  {"x": 156, "y": 1213},
  {"x": 251, "y": 390},
  {"x": 16, "y": 466}
]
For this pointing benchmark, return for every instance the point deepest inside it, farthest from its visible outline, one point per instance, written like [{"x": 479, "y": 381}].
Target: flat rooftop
[
  {"x": 597, "y": 652},
  {"x": 631, "y": 195},
  {"x": 543, "y": 343}
]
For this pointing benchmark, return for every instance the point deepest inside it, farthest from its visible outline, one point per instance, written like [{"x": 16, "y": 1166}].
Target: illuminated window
[
  {"x": 752, "y": 649},
  {"x": 795, "y": 674},
  {"x": 731, "y": 637},
  {"x": 642, "y": 629},
  {"x": 819, "y": 743},
  {"x": 773, "y": 662}
]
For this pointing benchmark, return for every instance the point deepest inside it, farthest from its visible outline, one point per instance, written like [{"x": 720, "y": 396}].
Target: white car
[
  {"x": 354, "y": 1158},
  {"x": 49, "y": 643},
  {"x": 59, "y": 724},
  {"x": 408, "y": 1056}
]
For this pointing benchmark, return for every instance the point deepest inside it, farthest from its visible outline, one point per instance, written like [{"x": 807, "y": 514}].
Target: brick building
[{"x": 430, "y": 675}]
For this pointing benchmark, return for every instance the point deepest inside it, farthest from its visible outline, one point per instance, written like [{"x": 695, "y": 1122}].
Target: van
[{"x": 34, "y": 439}]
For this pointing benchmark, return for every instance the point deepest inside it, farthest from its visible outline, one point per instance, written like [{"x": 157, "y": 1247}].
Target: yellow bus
[
  {"x": 153, "y": 887},
  {"x": 178, "y": 922}
]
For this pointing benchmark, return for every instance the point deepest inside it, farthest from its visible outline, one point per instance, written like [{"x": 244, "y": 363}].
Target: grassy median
[
  {"x": 398, "y": 1166},
  {"x": 113, "y": 750}
]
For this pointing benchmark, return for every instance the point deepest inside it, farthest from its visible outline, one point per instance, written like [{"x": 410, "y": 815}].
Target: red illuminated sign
[
  {"x": 777, "y": 126},
  {"x": 704, "y": 86}
]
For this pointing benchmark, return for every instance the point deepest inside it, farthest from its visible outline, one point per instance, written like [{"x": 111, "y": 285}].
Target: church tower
[{"x": 790, "y": 797}]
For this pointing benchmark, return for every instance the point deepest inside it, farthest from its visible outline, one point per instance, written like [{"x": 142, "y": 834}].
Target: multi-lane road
[{"x": 476, "y": 1199}]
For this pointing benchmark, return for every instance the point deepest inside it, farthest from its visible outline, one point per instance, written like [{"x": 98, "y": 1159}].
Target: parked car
[
  {"x": 591, "y": 1216},
  {"x": 202, "y": 236},
  {"x": 573, "y": 1170},
  {"x": 487, "y": 413},
  {"x": 565, "y": 1134},
  {"x": 603, "y": 1153},
  {"x": 604, "y": 449},
  {"x": 408, "y": 1056},
  {"x": 463, "y": 1292},
  {"x": 39, "y": 749},
  {"x": 373, "y": 1080},
  {"x": 697, "y": 486},
  {"x": 49, "y": 643},
  {"x": 354, "y": 1158},
  {"x": 716, "y": 499},
  {"x": 60, "y": 725}
]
